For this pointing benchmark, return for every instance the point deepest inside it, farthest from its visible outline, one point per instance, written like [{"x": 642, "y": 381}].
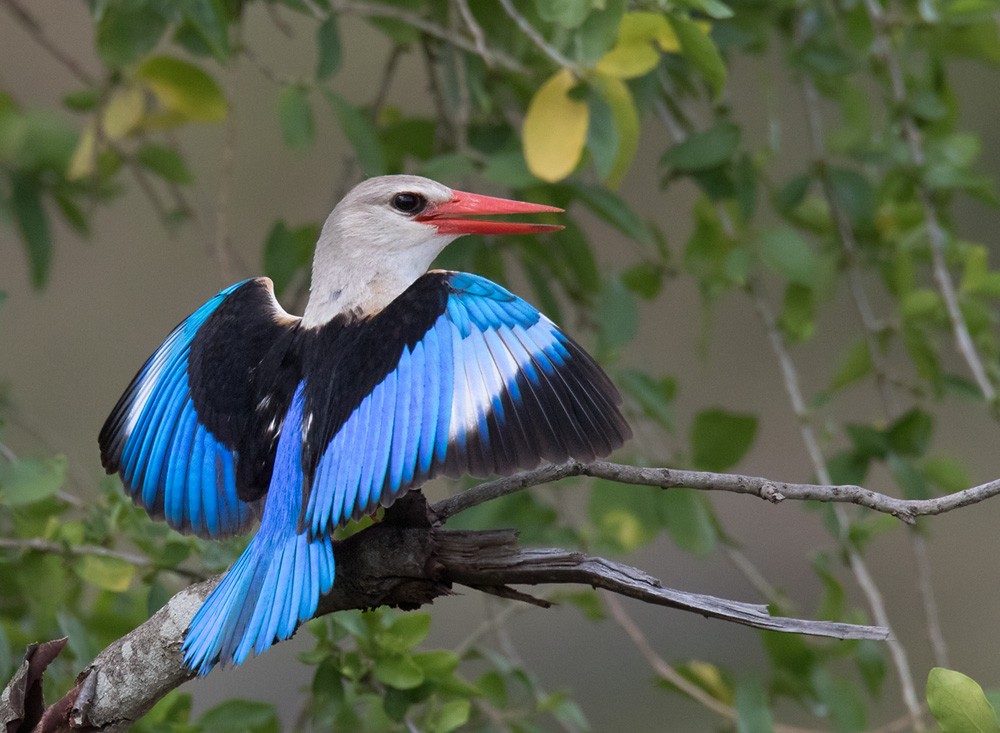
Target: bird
[{"x": 393, "y": 374}]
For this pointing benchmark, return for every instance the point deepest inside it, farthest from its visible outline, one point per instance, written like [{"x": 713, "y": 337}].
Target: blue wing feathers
[
  {"x": 491, "y": 386},
  {"x": 168, "y": 460}
]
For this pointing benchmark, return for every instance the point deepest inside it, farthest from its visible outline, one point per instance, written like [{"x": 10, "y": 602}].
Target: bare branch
[
  {"x": 399, "y": 566},
  {"x": 763, "y": 488}
]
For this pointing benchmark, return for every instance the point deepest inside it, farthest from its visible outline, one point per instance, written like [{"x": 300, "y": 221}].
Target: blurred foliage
[{"x": 554, "y": 99}]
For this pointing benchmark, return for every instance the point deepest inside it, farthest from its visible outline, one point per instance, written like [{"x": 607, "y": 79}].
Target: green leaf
[
  {"x": 786, "y": 252},
  {"x": 240, "y": 716},
  {"x": 625, "y": 117},
  {"x": 617, "y": 317},
  {"x": 855, "y": 194},
  {"x": 704, "y": 150},
  {"x": 184, "y": 89},
  {"x": 128, "y": 31},
  {"x": 871, "y": 663},
  {"x": 208, "y": 19},
  {"x": 855, "y": 364},
  {"x": 109, "y": 573},
  {"x": 614, "y": 210},
  {"x": 567, "y": 13},
  {"x": 29, "y": 480},
  {"x": 507, "y": 168},
  {"x": 753, "y": 714},
  {"x": 164, "y": 162},
  {"x": 626, "y": 517},
  {"x": 295, "y": 114},
  {"x": 328, "y": 43},
  {"x": 911, "y": 433},
  {"x": 288, "y": 252},
  {"x": 33, "y": 223},
  {"x": 798, "y": 313},
  {"x": 360, "y": 133},
  {"x": 452, "y": 716},
  {"x": 909, "y": 478},
  {"x": 411, "y": 628},
  {"x": 656, "y": 396},
  {"x": 843, "y": 700},
  {"x": 599, "y": 31},
  {"x": 399, "y": 671},
  {"x": 946, "y": 473},
  {"x": 958, "y": 703},
  {"x": 720, "y": 439},
  {"x": 690, "y": 521},
  {"x": 699, "y": 48}
]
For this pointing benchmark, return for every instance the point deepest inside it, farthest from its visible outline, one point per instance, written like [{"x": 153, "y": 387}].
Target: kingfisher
[{"x": 392, "y": 375}]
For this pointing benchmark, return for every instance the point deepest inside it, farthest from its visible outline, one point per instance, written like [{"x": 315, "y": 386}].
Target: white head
[{"x": 385, "y": 233}]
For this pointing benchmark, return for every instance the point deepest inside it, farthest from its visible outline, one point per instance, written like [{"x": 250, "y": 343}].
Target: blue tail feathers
[{"x": 276, "y": 583}]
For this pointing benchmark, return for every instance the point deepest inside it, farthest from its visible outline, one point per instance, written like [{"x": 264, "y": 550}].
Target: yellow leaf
[
  {"x": 84, "y": 158},
  {"x": 710, "y": 679},
  {"x": 123, "y": 113},
  {"x": 109, "y": 573},
  {"x": 186, "y": 91},
  {"x": 647, "y": 27},
  {"x": 641, "y": 37},
  {"x": 629, "y": 61},
  {"x": 555, "y": 129},
  {"x": 626, "y": 120}
]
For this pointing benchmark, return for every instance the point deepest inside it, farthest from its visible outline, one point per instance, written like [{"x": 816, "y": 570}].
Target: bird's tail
[{"x": 276, "y": 583}]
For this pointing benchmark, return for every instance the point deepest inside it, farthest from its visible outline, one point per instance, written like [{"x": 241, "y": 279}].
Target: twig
[
  {"x": 848, "y": 242},
  {"x": 38, "y": 544},
  {"x": 857, "y": 564},
  {"x": 377, "y": 10},
  {"x": 537, "y": 38},
  {"x": 770, "y": 490},
  {"x": 478, "y": 37},
  {"x": 34, "y": 28},
  {"x": 939, "y": 648},
  {"x": 870, "y": 328},
  {"x": 935, "y": 232},
  {"x": 666, "y": 671}
]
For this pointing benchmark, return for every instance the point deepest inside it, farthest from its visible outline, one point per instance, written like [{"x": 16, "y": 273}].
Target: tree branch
[
  {"x": 405, "y": 562},
  {"x": 906, "y": 510}
]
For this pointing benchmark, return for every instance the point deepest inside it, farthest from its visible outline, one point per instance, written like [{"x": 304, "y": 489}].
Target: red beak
[{"x": 447, "y": 217}]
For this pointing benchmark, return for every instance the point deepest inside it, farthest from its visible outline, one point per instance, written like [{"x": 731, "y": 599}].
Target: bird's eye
[{"x": 409, "y": 203}]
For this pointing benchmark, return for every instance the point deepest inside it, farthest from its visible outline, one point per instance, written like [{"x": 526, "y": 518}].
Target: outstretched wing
[
  {"x": 193, "y": 435},
  {"x": 456, "y": 376}
]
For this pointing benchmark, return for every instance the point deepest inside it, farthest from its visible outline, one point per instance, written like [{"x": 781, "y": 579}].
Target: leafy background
[{"x": 653, "y": 276}]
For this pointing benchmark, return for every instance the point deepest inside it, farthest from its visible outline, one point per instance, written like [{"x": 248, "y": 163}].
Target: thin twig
[
  {"x": 537, "y": 38},
  {"x": 667, "y": 672},
  {"x": 478, "y": 37},
  {"x": 845, "y": 233},
  {"x": 378, "y": 10},
  {"x": 870, "y": 328},
  {"x": 936, "y": 234},
  {"x": 935, "y": 635},
  {"x": 38, "y": 544},
  {"x": 857, "y": 564},
  {"x": 34, "y": 28}
]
